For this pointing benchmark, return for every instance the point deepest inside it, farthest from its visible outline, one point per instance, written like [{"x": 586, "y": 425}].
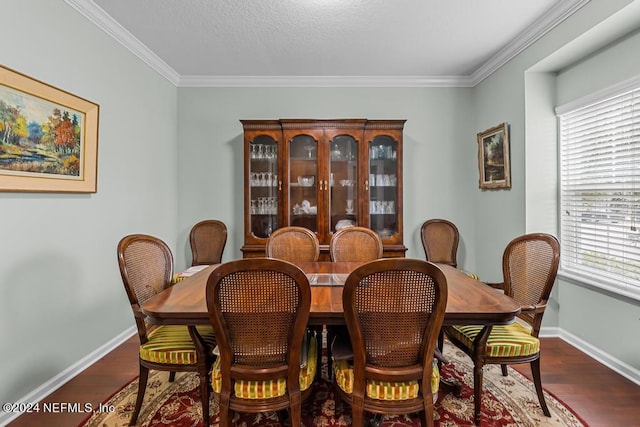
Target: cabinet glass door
[
  {"x": 383, "y": 186},
  {"x": 303, "y": 181},
  {"x": 343, "y": 184},
  {"x": 263, "y": 184}
]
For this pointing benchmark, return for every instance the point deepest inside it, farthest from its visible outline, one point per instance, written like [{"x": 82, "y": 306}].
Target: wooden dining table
[{"x": 469, "y": 300}]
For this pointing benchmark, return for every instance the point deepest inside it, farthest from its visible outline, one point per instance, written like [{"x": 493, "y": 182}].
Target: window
[{"x": 600, "y": 190}]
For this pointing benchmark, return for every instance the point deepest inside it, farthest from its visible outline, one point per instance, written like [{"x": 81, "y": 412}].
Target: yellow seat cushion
[
  {"x": 177, "y": 278},
  {"x": 173, "y": 344},
  {"x": 245, "y": 389},
  {"x": 383, "y": 390},
  {"x": 512, "y": 340},
  {"x": 472, "y": 275}
]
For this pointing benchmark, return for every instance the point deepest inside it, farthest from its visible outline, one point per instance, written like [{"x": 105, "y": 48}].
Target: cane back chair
[
  {"x": 259, "y": 309},
  {"x": 529, "y": 266},
  {"x": 394, "y": 309},
  {"x": 293, "y": 244},
  {"x": 146, "y": 267},
  {"x": 354, "y": 244},
  {"x": 207, "y": 240},
  {"x": 440, "y": 240}
]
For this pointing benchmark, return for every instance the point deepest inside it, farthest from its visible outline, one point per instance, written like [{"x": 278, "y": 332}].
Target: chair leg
[
  {"x": 142, "y": 386},
  {"x": 204, "y": 396},
  {"x": 426, "y": 415},
  {"x": 439, "y": 348},
  {"x": 172, "y": 376},
  {"x": 225, "y": 419},
  {"x": 319, "y": 348},
  {"x": 537, "y": 380},
  {"x": 357, "y": 413},
  {"x": 477, "y": 392},
  {"x": 504, "y": 370},
  {"x": 295, "y": 414}
]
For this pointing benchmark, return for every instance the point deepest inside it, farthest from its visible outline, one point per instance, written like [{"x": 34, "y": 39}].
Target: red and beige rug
[{"x": 506, "y": 401}]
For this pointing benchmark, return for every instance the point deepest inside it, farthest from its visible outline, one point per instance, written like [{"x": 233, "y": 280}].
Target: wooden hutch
[{"x": 323, "y": 175}]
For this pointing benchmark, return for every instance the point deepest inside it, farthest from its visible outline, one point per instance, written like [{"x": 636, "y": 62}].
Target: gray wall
[
  {"x": 440, "y": 167},
  {"x": 61, "y": 295},
  {"x": 593, "y": 49},
  {"x": 615, "y": 313}
]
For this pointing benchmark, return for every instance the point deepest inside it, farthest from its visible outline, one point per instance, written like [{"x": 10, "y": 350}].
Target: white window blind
[{"x": 600, "y": 192}]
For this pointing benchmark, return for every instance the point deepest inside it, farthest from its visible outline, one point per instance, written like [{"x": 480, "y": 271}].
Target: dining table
[{"x": 469, "y": 301}]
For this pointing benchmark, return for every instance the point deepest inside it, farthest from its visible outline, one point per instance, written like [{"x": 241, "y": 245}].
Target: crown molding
[
  {"x": 106, "y": 23},
  {"x": 553, "y": 17},
  {"x": 557, "y": 14},
  {"x": 324, "y": 81}
]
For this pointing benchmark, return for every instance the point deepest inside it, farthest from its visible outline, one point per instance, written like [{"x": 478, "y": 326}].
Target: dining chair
[
  {"x": 259, "y": 309},
  {"x": 440, "y": 240},
  {"x": 394, "y": 309},
  {"x": 207, "y": 240},
  {"x": 293, "y": 244},
  {"x": 529, "y": 267},
  {"x": 146, "y": 267},
  {"x": 353, "y": 244}
]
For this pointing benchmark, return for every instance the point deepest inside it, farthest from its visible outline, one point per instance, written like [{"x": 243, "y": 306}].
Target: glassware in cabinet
[
  {"x": 383, "y": 186},
  {"x": 343, "y": 182},
  {"x": 263, "y": 186},
  {"x": 303, "y": 182}
]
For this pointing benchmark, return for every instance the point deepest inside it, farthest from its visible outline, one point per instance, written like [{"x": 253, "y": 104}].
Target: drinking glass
[
  {"x": 309, "y": 149},
  {"x": 349, "y": 206}
]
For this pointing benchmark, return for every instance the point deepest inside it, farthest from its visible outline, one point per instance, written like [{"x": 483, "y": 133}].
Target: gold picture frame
[
  {"x": 48, "y": 137},
  {"x": 493, "y": 158}
]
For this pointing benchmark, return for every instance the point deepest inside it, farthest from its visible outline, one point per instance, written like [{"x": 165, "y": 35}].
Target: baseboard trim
[
  {"x": 622, "y": 368},
  {"x": 550, "y": 332},
  {"x": 68, "y": 374}
]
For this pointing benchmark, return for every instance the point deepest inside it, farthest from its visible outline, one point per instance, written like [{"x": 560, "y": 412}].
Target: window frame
[{"x": 577, "y": 272}]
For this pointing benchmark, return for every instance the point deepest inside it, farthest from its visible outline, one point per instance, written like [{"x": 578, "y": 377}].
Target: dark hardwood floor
[{"x": 600, "y": 396}]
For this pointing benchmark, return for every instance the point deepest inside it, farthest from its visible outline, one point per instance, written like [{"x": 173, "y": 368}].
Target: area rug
[{"x": 506, "y": 401}]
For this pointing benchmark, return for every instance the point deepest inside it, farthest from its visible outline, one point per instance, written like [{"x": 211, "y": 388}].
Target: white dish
[
  {"x": 344, "y": 223},
  {"x": 306, "y": 181}
]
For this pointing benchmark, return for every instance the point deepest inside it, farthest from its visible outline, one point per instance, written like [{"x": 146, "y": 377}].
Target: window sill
[{"x": 613, "y": 289}]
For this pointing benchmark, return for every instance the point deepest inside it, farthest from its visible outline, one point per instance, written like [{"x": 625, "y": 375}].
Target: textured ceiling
[{"x": 271, "y": 39}]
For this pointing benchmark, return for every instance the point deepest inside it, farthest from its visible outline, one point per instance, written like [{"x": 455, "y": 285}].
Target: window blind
[{"x": 600, "y": 192}]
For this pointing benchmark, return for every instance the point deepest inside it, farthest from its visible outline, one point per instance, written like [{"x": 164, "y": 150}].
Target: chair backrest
[
  {"x": 529, "y": 266},
  {"x": 146, "y": 267},
  {"x": 293, "y": 244},
  {"x": 259, "y": 309},
  {"x": 354, "y": 244},
  {"x": 207, "y": 240},
  {"x": 394, "y": 310},
  {"x": 440, "y": 241}
]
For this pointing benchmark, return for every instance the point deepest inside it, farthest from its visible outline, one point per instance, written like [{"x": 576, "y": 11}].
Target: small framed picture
[{"x": 493, "y": 157}]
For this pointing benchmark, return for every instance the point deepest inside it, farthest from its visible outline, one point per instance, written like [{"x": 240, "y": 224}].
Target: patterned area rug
[{"x": 506, "y": 401}]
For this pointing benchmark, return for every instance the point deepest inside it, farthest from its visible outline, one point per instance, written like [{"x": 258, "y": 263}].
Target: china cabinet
[{"x": 323, "y": 175}]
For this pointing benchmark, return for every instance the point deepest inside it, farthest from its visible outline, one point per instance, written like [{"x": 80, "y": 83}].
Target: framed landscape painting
[
  {"x": 493, "y": 157},
  {"x": 48, "y": 137}
]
